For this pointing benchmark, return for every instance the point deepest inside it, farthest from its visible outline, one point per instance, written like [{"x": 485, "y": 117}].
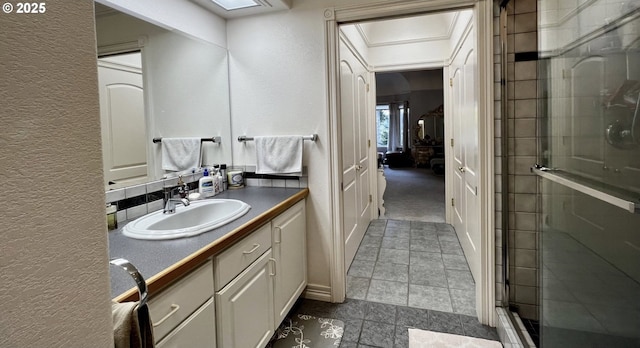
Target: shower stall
[{"x": 589, "y": 173}]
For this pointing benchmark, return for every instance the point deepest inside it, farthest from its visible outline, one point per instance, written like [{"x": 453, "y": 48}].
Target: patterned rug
[
  {"x": 306, "y": 331},
  {"x": 423, "y": 339}
]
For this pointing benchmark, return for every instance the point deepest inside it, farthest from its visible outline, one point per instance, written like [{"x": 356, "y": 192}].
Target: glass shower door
[{"x": 590, "y": 173}]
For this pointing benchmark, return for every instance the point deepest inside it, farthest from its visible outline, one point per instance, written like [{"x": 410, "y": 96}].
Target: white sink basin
[{"x": 196, "y": 218}]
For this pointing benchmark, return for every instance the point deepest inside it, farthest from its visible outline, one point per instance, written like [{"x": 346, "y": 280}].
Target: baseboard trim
[{"x": 317, "y": 292}]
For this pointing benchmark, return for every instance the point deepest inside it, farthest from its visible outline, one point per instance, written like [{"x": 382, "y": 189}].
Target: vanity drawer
[
  {"x": 180, "y": 300},
  {"x": 197, "y": 331},
  {"x": 231, "y": 262}
]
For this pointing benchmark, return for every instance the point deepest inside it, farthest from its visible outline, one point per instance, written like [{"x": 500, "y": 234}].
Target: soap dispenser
[{"x": 205, "y": 184}]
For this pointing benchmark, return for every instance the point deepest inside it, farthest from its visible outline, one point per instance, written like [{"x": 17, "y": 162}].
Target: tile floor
[
  {"x": 373, "y": 324},
  {"x": 415, "y": 264}
]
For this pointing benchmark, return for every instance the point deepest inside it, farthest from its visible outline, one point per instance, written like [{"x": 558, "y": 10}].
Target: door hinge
[
  {"x": 341, "y": 186},
  {"x": 367, "y": 87},
  {"x": 451, "y": 82},
  {"x": 370, "y": 198},
  {"x": 368, "y": 142},
  {"x": 451, "y": 142},
  {"x": 453, "y": 202}
]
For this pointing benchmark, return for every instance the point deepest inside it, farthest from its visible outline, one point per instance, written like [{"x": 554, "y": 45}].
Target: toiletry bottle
[
  {"x": 219, "y": 180},
  {"x": 182, "y": 188},
  {"x": 112, "y": 220},
  {"x": 205, "y": 184},
  {"x": 223, "y": 173},
  {"x": 216, "y": 181}
]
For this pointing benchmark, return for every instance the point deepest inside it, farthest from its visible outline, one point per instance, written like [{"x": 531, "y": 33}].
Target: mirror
[
  {"x": 430, "y": 127},
  {"x": 167, "y": 85}
]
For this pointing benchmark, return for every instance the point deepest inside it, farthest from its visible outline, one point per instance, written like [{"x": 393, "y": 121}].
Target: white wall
[
  {"x": 352, "y": 37},
  {"x": 54, "y": 275},
  {"x": 183, "y": 16},
  {"x": 278, "y": 87}
]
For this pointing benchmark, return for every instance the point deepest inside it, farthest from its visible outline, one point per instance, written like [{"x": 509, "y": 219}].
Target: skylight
[{"x": 235, "y": 4}]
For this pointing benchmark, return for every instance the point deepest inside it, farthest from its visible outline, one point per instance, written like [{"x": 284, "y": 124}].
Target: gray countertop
[{"x": 153, "y": 257}]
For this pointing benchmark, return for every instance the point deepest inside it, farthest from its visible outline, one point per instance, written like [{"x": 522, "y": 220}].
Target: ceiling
[{"x": 428, "y": 27}]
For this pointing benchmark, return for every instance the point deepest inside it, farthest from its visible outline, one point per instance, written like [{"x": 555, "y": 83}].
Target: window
[
  {"x": 390, "y": 122},
  {"x": 382, "y": 123}
]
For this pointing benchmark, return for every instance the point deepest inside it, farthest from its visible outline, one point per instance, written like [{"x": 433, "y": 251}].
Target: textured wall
[{"x": 54, "y": 282}]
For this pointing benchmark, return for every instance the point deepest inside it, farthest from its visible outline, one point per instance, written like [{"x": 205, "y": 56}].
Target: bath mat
[
  {"x": 422, "y": 338},
  {"x": 307, "y": 331}
]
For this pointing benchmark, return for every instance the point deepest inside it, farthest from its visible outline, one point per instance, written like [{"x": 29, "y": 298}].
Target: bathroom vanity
[{"x": 230, "y": 287}]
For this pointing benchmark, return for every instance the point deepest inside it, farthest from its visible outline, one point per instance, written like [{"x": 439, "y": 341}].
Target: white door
[
  {"x": 124, "y": 148},
  {"x": 246, "y": 304},
  {"x": 356, "y": 193},
  {"x": 464, "y": 98},
  {"x": 289, "y": 253}
]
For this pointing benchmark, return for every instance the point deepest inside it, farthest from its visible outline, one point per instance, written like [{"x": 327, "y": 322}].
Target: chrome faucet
[{"x": 170, "y": 207}]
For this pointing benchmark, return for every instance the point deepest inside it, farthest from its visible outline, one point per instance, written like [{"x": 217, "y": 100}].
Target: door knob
[
  {"x": 461, "y": 169},
  {"x": 358, "y": 167}
]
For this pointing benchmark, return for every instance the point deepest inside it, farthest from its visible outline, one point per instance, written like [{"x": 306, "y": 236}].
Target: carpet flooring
[{"x": 414, "y": 194}]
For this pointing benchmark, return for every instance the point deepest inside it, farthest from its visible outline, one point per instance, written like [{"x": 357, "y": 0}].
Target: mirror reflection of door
[{"x": 122, "y": 115}]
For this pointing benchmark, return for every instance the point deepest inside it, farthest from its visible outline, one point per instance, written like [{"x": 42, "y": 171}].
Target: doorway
[
  {"x": 482, "y": 22},
  {"x": 410, "y": 142}
]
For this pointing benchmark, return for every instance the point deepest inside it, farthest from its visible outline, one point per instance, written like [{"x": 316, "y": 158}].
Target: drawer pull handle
[
  {"x": 274, "y": 264},
  {"x": 174, "y": 309},
  {"x": 277, "y": 241},
  {"x": 255, "y": 247}
]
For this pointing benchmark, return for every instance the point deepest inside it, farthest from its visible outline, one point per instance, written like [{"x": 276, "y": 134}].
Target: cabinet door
[
  {"x": 196, "y": 331},
  {"x": 289, "y": 251},
  {"x": 244, "y": 307}
]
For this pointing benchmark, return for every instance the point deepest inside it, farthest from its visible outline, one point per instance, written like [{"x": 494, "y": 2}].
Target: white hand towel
[
  {"x": 131, "y": 325},
  {"x": 279, "y": 155},
  {"x": 180, "y": 154}
]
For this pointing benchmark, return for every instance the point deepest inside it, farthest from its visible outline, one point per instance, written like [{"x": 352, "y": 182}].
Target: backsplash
[{"x": 135, "y": 201}]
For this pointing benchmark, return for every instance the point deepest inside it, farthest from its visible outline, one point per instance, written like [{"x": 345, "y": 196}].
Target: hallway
[{"x": 414, "y": 194}]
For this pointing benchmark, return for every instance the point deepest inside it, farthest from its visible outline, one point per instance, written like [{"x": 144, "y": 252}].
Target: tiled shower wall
[{"x": 522, "y": 153}]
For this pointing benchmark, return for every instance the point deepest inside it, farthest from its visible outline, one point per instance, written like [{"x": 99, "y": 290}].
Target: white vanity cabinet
[
  {"x": 290, "y": 254},
  {"x": 238, "y": 299},
  {"x": 252, "y": 305},
  {"x": 245, "y": 307},
  {"x": 184, "y": 309}
]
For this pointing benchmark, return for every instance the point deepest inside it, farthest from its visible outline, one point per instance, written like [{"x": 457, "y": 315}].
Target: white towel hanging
[
  {"x": 279, "y": 154},
  {"x": 180, "y": 154}
]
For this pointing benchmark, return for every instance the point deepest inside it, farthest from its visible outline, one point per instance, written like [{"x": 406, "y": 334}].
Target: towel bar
[
  {"x": 133, "y": 272},
  {"x": 144, "y": 328},
  {"x": 215, "y": 140},
  {"x": 312, "y": 137}
]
